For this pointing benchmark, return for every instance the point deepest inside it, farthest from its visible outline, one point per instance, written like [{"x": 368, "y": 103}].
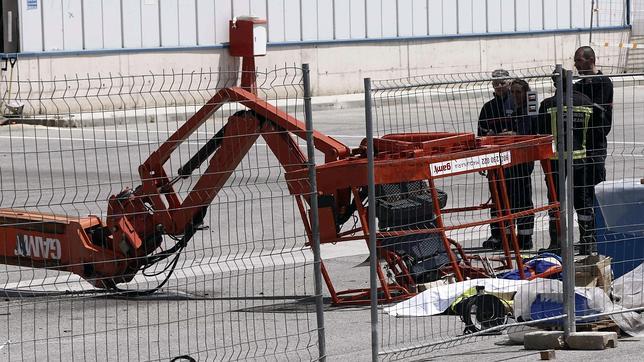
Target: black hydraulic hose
[
  {"x": 206, "y": 151},
  {"x": 210, "y": 147},
  {"x": 176, "y": 250},
  {"x": 342, "y": 218}
]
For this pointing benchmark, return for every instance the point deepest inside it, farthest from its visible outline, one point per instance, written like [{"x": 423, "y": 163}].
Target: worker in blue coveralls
[{"x": 497, "y": 117}]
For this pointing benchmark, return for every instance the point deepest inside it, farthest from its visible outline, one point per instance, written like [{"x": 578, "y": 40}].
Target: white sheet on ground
[
  {"x": 630, "y": 288},
  {"x": 436, "y": 300},
  {"x": 630, "y": 322},
  {"x": 552, "y": 289}
]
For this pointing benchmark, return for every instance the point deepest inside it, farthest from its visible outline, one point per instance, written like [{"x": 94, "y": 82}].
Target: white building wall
[
  {"x": 72, "y": 25},
  {"x": 343, "y": 41},
  {"x": 341, "y": 69}
]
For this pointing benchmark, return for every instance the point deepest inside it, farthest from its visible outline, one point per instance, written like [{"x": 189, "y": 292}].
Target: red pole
[{"x": 249, "y": 78}]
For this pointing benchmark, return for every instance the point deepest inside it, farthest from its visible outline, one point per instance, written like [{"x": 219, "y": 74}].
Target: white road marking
[
  {"x": 138, "y": 142},
  {"x": 71, "y": 139},
  {"x": 148, "y": 131},
  {"x": 626, "y": 143},
  {"x": 205, "y": 266},
  {"x": 128, "y": 142},
  {"x": 169, "y": 132},
  {"x": 629, "y": 156}
]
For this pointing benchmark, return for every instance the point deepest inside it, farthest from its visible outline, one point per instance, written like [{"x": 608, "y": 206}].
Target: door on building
[{"x": 9, "y": 26}]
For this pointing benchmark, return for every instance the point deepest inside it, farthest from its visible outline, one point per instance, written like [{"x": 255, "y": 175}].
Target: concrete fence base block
[
  {"x": 592, "y": 340},
  {"x": 543, "y": 340},
  {"x": 547, "y": 355}
]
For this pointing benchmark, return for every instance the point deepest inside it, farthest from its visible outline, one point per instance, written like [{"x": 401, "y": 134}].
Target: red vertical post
[
  {"x": 493, "y": 180},
  {"x": 248, "y": 39},
  {"x": 440, "y": 225},
  {"x": 248, "y": 77},
  {"x": 507, "y": 212}
]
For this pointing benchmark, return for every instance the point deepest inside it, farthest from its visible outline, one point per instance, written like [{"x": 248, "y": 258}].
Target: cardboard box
[
  {"x": 585, "y": 279},
  {"x": 446, "y": 280},
  {"x": 594, "y": 271}
]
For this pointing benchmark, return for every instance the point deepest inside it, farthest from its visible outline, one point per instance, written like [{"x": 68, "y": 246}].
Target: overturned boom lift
[{"x": 410, "y": 208}]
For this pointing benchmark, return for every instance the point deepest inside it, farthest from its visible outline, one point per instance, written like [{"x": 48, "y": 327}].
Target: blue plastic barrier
[
  {"x": 619, "y": 220},
  {"x": 543, "y": 308}
]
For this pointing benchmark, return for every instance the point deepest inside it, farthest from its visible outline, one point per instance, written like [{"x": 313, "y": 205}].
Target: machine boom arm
[
  {"x": 111, "y": 253},
  {"x": 138, "y": 220}
]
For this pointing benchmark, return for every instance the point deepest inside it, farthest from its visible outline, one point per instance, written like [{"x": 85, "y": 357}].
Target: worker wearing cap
[
  {"x": 496, "y": 115},
  {"x": 583, "y": 196},
  {"x": 599, "y": 89},
  {"x": 497, "y": 118}
]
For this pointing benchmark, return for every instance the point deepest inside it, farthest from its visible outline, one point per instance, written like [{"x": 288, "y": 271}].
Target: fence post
[
  {"x": 568, "y": 249},
  {"x": 373, "y": 255},
  {"x": 561, "y": 186},
  {"x": 592, "y": 15},
  {"x": 315, "y": 227}
]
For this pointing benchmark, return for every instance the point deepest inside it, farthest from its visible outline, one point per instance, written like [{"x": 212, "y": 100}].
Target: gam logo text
[
  {"x": 442, "y": 168},
  {"x": 36, "y": 246}
]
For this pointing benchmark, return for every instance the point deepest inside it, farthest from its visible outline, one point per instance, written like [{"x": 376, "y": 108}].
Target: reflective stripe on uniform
[
  {"x": 583, "y": 217},
  {"x": 587, "y": 112}
]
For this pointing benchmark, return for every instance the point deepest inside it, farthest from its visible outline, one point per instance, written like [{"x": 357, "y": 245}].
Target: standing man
[
  {"x": 519, "y": 177},
  {"x": 583, "y": 198},
  {"x": 496, "y": 118},
  {"x": 599, "y": 89}
]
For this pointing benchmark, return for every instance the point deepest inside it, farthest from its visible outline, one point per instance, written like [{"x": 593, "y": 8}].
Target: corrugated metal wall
[{"x": 49, "y": 25}]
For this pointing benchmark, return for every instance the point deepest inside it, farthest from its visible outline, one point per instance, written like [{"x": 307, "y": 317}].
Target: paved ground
[{"x": 241, "y": 289}]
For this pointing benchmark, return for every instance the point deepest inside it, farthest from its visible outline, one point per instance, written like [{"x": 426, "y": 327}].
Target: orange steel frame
[
  {"x": 109, "y": 253},
  {"x": 408, "y": 157}
]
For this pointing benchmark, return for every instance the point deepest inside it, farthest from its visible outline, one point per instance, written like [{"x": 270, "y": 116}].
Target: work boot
[
  {"x": 552, "y": 248},
  {"x": 587, "y": 248},
  {"x": 587, "y": 242},
  {"x": 555, "y": 245},
  {"x": 493, "y": 243},
  {"x": 525, "y": 242}
]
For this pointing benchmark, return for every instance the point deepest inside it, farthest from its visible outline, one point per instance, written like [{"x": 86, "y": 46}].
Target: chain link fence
[
  {"x": 617, "y": 216},
  {"x": 454, "y": 104}
]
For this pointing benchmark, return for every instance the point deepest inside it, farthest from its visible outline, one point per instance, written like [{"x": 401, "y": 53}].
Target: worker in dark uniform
[
  {"x": 583, "y": 197},
  {"x": 519, "y": 177},
  {"x": 496, "y": 115},
  {"x": 497, "y": 118},
  {"x": 599, "y": 89}
]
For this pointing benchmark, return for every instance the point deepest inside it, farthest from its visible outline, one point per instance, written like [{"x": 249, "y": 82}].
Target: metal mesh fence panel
[
  {"x": 221, "y": 246},
  {"x": 610, "y": 281},
  {"x": 465, "y": 104}
]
